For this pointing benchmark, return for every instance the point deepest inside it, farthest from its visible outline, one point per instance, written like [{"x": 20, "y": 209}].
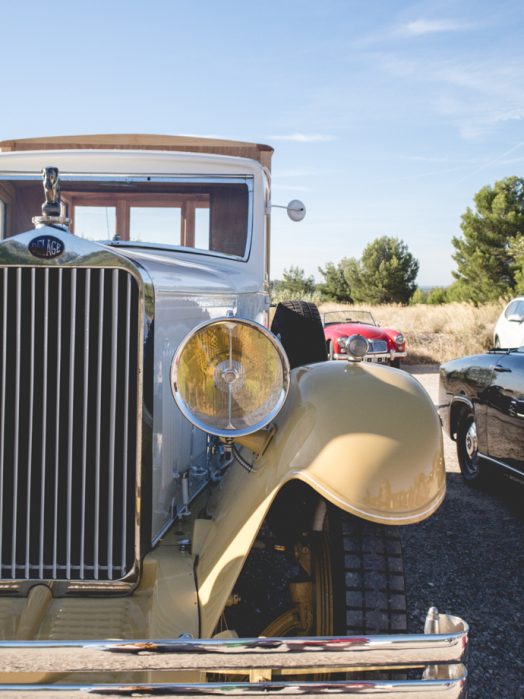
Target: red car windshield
[{"x": 348, "y": 316}]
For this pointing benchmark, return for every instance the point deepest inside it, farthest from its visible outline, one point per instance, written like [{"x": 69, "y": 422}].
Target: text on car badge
[{"x": 46, "y": 246}]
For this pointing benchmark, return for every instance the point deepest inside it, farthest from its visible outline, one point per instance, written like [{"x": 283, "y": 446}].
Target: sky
[{"x": 386, "y": 116}]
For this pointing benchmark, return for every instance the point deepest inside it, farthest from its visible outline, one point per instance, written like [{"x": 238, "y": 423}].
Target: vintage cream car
[{"x": 176, "y": 480}]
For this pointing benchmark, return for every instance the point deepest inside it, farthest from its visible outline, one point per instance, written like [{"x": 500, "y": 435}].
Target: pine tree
[
  {"x": 386, "y": 273},
  {"x": 335, "y": 286},
  {"x": 485, "y": 254}
]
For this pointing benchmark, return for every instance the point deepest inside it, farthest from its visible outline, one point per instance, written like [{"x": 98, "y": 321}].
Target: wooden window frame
[
  {"x": 7, "y": 195},
  {"x": 123, "y": 203}
]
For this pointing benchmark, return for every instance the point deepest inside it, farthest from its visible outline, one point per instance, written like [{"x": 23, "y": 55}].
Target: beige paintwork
[
  {"x": 366, "y": 437},
  {"x": 165, "y": 604}
]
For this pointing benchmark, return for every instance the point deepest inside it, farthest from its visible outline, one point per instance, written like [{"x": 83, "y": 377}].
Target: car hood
[{"x": 371, "y": 332}]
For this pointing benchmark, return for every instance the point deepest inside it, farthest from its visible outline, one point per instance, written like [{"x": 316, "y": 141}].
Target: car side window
[
  {"x": 520, "y": 309},
  {"x": 512, "y": 308}
]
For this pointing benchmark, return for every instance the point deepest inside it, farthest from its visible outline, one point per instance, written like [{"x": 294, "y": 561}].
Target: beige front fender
[{"x": 365, "y": 436}]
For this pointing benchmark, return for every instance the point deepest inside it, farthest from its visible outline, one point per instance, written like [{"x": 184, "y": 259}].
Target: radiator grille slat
[
  {"x": 18, "y": 352},
  {"x": 43, "y": 482},
  {"x": 87, "y": 310},
  {"x": 68, "y": 423},
  {"x": 99, "y": 367},
  {"x": 57, "y": 423},
  {"x": 29, "y": 481},
  {"x": 126, "y": 425}
]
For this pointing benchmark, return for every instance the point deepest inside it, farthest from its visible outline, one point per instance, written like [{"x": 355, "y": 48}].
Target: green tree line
[{"x": 489, "y": 257}]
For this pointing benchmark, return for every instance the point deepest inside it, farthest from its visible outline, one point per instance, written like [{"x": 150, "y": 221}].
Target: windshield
[
  {"x": 204, "y": 216},
  {"x": 348, "y": 316}
]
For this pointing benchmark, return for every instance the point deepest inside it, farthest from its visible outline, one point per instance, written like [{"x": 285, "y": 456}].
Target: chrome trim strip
[
  {"x": 112, "y": 424},
  {"x": 119, "y": 178},
  {"x": 502, "y": 464},
  {"x": 30, "y": 426},
  {"x": 72, "y": 339},
  {"x": 44, "y": 424},
  {"x": 374, "y": 355},
  {"x": 98, "y": 418},
  {"x": 87, "y": 310},
  {"x": 384, "y": 355},
  {"x": 452, "y": 688},
  {"x": 126, "y": 426},
  {"x": 57, "y": 417},
  {"x": 212, "y": 655},
  {"x": 17, "y": 416}
]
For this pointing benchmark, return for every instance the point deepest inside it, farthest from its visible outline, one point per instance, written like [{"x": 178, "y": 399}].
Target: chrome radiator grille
[{"x": 68, "y": 415}]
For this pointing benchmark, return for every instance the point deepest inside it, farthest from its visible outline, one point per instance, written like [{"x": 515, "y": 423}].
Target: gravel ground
[{"x": 468, "y": 560}]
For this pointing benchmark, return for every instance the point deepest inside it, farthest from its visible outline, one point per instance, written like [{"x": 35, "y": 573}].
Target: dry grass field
[{"x": 435, "y": 334}]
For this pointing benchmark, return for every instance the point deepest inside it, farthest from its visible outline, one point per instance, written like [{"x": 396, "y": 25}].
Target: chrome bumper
[
  {"x": 439, "y": 653},
  {"x": 375, "y": 356}
]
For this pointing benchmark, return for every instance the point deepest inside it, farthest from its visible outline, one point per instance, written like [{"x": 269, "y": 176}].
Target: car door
[{"x": 505, "y": 413}]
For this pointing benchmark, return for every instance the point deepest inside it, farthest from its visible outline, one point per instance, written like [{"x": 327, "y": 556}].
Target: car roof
[{"x": 186, "y": 144}]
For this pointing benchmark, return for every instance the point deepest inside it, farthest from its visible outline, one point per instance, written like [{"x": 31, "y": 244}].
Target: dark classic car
[
  {"x": 482, "y": 409},
  {"x": 386, "y": 345}
]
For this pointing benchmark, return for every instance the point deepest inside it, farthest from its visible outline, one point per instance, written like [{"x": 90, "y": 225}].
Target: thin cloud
[
  {"x": 476, "y": 97},
  {"x": 304, "y": 138},
  {"x": 413, "y": 29},
  {"x": 438, "y": 160},
  {"x": 421, "y": 27},
  {"x": 498, "y": 160}
]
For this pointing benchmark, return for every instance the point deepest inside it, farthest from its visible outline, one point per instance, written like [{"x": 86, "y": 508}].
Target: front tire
[
  {"x": 467, "y": 449},
  {"x": 352, "y": 568},
  {"x": 373, "y": 575}
]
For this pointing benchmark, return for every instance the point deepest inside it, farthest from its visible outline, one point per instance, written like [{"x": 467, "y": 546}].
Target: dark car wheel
[
  {"x": 395, "y": 363},
  {"x": 467, "y": 449},
  {"x": 372, "y": 577},
  {"x": 353, "y": 577}
]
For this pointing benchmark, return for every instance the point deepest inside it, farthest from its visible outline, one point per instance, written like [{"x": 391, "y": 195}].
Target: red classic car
[{"x": 385, "y": 344}]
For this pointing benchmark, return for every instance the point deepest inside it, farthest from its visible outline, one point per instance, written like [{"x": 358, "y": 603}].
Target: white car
[{"x": 509, "y": 329}]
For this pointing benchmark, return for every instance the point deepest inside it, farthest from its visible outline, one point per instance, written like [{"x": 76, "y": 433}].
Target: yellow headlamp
[{"x": 230, "y": 377}]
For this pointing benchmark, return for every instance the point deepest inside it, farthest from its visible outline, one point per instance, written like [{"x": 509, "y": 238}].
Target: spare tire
[{"x": 298, "y": 326}]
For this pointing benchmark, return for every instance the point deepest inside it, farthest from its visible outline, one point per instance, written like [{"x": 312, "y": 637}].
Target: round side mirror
[{"x": 296, "y": 210}]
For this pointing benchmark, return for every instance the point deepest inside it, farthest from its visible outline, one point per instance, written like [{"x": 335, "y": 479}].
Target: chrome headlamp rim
[
  {"x": 353, "y": 342},
  {"x": 212, "y": 429},
  {"x": 399, "y": 339}
]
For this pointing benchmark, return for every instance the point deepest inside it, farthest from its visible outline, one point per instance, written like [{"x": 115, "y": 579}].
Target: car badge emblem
[{"x": 46, "y": 247}]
